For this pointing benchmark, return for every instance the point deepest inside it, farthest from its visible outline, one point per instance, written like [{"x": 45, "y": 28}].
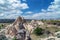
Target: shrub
[
  {"x": 14, "y": 38},
  {"x": 38, "y": 31},
  {"x": 1, "y": 26}
]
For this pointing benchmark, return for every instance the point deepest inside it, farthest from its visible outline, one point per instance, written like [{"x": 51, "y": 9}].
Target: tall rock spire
[{"x": 17, "y": 29}]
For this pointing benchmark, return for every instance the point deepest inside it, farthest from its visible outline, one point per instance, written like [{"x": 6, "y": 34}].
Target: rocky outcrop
[
  {"x": 3, "y": 37},
  {"x": 17, "y": 30},
  {"x": 31, "y": 26}
]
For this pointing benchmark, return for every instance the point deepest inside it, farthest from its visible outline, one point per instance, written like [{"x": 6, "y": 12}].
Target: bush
[
  {"x": 1, "y": 26},
  {"x": 38, "y": 31},
  {"x": 14, "y": 38}
]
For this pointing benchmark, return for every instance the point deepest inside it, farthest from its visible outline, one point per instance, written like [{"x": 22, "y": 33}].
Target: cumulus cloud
[
  {"x": 29, "y": 12},
  {"x": 1, "y": 14},
  {"x": 55, "y": 6},
  {"x": 12, "y": 7},
  {"x": 52, "y": 12}
]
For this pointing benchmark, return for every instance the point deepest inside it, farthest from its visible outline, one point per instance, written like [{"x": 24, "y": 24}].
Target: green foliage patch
[{"x": 38, "y": 31}]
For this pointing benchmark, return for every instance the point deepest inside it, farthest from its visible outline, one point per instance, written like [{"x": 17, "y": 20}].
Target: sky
[{"x": 30, "y": 9}]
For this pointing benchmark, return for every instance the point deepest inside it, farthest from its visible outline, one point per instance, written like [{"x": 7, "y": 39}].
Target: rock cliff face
[
  {"x": 31, "y": 26},
  {"x": 17, "y": 30}
]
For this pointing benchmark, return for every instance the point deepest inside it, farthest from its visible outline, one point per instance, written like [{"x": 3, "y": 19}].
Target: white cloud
[
  {"x": 29, "y": 12},
  {"x": 24, "y": 6},
  {"x": 2, "y": 1},
  {"x": 53, "y": 11},
  {"x": 24, "y": 0},
  {"x": 43, "y": 10},
  {"x": 13, "y": 16},
  {"x": 14, "y": 4},
  {"x": 12, "y": 8},
  {"x": 11, "y": 1},
  {"x": 55, "y": 6},
  {"x": 1, "y": 14}
]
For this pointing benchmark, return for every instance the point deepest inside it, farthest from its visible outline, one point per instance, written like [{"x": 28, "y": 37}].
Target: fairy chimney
[{"x": 17, "y": 29}]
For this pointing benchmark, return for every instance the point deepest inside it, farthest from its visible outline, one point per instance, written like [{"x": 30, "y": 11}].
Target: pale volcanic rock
[
  {"x": 31, "y": 26},
  {"x": 34, "y": 23},
  {"x": 18, "y": 30},
  {"x": 40, "y": 23}
]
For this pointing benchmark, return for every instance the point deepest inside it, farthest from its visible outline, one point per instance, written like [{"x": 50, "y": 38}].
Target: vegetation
[
  {"x": 38, "y": 31},
  {"x": 54, "y": 22},
  {"x": 1, "y": 26},
  {"x": 14, "y": 38}
]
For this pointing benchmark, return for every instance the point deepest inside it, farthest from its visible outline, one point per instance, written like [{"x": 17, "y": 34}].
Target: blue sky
[
  {"x": 30, "y": 9},
  {"x": 37, "y": 5}
]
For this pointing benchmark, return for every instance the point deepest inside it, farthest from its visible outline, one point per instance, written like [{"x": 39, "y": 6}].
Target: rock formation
[
  {"x": 17, "y": 30},
  {"x": 3, "y": 37},
  {"x": 31, "y": 26}
]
